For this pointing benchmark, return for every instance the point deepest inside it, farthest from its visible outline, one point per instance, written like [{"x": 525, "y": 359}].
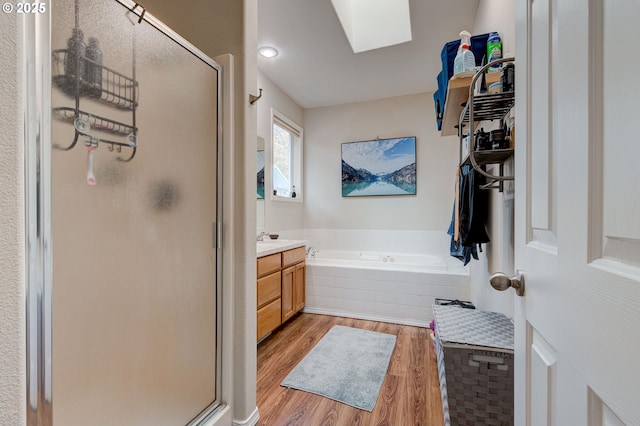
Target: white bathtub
[
  {"x": 382, "y": 286},
  {"x": 377, "y": 260}
]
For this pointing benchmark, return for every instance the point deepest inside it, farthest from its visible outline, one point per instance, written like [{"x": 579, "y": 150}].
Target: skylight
[{"x": 372, "y": 24}]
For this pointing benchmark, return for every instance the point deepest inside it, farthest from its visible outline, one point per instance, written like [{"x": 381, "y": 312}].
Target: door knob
[{"x": 501, "y": 281}]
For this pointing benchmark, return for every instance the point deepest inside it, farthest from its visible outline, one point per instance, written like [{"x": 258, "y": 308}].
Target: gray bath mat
[{"x": 347, "y": 365}]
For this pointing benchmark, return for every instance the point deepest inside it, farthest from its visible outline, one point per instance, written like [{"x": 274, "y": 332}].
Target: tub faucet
[
  {"x": 261, "y": 236},
  {"x": 311, "y": 252}
]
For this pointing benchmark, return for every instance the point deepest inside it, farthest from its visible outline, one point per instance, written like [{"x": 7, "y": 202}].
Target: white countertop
[{"x": 266, "y": 247}]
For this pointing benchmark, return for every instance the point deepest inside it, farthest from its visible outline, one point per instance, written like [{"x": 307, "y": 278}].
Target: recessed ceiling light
[
  {"x": 372, "y": 24},
  {"x": 268, "y": 51}
]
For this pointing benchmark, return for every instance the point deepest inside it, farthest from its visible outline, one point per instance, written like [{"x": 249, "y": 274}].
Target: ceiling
[{"x": 316, "y": 66}]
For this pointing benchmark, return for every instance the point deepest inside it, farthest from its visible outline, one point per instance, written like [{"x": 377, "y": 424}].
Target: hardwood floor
[{"x": 410, "y": 394}]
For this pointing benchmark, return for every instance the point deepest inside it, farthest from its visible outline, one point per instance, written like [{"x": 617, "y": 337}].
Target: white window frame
[{"x": 297, "y": 156}]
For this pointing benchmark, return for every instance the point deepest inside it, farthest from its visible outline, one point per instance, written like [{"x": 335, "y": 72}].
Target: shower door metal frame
[{"x": 36, "y": 89}]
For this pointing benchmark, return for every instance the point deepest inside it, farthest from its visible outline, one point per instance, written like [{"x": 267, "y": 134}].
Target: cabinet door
[
  {"x": 299, "y": 287},
  {"x": 288, "y": 293}
]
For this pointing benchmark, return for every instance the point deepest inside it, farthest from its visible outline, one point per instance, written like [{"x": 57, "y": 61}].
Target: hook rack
[
  {"x": 254, "y": 98},
  {"x": 104, "y": 85},
  {"x": 141, "y": 16}
]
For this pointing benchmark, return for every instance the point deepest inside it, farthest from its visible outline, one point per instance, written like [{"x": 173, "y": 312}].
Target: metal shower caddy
[{"x": 114, "y": 89}]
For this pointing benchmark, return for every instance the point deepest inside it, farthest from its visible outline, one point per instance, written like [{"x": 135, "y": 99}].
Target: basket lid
[{"x": 473, "y": 327}]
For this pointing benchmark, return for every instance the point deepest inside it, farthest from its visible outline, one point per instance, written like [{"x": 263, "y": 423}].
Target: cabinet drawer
[
  {"x": 292, "y": 256},
  {"x": 268, "y": 288},
  {"x": 268, "y": 318},
  {"x": 268, "y": 264}
]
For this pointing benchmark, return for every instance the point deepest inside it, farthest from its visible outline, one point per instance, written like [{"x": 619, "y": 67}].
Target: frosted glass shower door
[{"x": 134, "y": 260}]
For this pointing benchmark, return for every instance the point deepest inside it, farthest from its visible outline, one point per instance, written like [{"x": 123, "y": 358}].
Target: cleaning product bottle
[
  {"x": 75, "y": 48},
  {"x": 74, "y": 62},
  {"x": 93, "y": 68},
  {"x": 465, "y": 60},
  {"x": 494, "y": 51}
]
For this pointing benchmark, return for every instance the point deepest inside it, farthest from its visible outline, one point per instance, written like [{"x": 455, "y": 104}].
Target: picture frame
[
  {"x": 260, "y": 174},
  {"x": 379, "y": 167}
]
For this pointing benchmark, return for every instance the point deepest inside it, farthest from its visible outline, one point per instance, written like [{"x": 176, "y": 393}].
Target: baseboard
[
  {"x": 251, "y": 421},
  {"x": 368, "y": 317}
]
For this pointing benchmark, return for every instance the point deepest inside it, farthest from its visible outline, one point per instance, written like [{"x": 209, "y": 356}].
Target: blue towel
[{"x": 458, "y": 251}]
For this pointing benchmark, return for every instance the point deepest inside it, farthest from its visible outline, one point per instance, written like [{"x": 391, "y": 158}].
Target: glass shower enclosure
[{"x": 130, "y": 318}]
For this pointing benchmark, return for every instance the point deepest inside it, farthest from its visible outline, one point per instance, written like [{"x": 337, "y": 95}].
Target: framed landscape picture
[
  {"x": 260, "y": 176},
  {"x": 379, "y": 167}
]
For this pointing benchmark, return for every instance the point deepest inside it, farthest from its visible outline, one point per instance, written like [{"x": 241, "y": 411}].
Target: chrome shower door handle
[{"x": 501, "y": 281}]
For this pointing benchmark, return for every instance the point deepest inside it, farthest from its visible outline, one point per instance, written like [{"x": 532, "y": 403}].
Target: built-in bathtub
[
  {"x": 377, "y": 260},
  {"x": 382, "y": 286}
]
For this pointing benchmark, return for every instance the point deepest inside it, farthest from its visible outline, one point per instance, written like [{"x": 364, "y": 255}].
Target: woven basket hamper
[{"x": 475, "y": 366}]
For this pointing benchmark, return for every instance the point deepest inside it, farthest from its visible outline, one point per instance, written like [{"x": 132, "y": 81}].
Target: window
[{"x": 286, "y": 155}]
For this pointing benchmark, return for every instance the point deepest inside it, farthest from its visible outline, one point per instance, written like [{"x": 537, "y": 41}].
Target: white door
[{"x": 578, "y": 212}]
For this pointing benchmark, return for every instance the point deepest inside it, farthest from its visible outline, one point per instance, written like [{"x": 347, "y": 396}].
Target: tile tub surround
[
  {"x": 382, "y": 240},
  {"x": 376, "y": 292}
]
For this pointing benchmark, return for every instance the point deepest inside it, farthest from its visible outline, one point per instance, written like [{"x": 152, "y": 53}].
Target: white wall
[
  {"x": 279, "y": 216},
  {"x": 12, "y": 248},
  {"x": 328, "y": 127},
  {"x": 496, "y": 15}
]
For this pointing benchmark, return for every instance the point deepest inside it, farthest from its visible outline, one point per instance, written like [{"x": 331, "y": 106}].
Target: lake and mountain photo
[{"x": 379, "y": 167}]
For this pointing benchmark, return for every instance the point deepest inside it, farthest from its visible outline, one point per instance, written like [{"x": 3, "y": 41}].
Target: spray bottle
[{"x": 465, "y": 60}]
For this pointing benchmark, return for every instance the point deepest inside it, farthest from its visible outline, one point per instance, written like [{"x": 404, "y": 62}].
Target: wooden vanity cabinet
[{"x": 281, "y": 292}]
